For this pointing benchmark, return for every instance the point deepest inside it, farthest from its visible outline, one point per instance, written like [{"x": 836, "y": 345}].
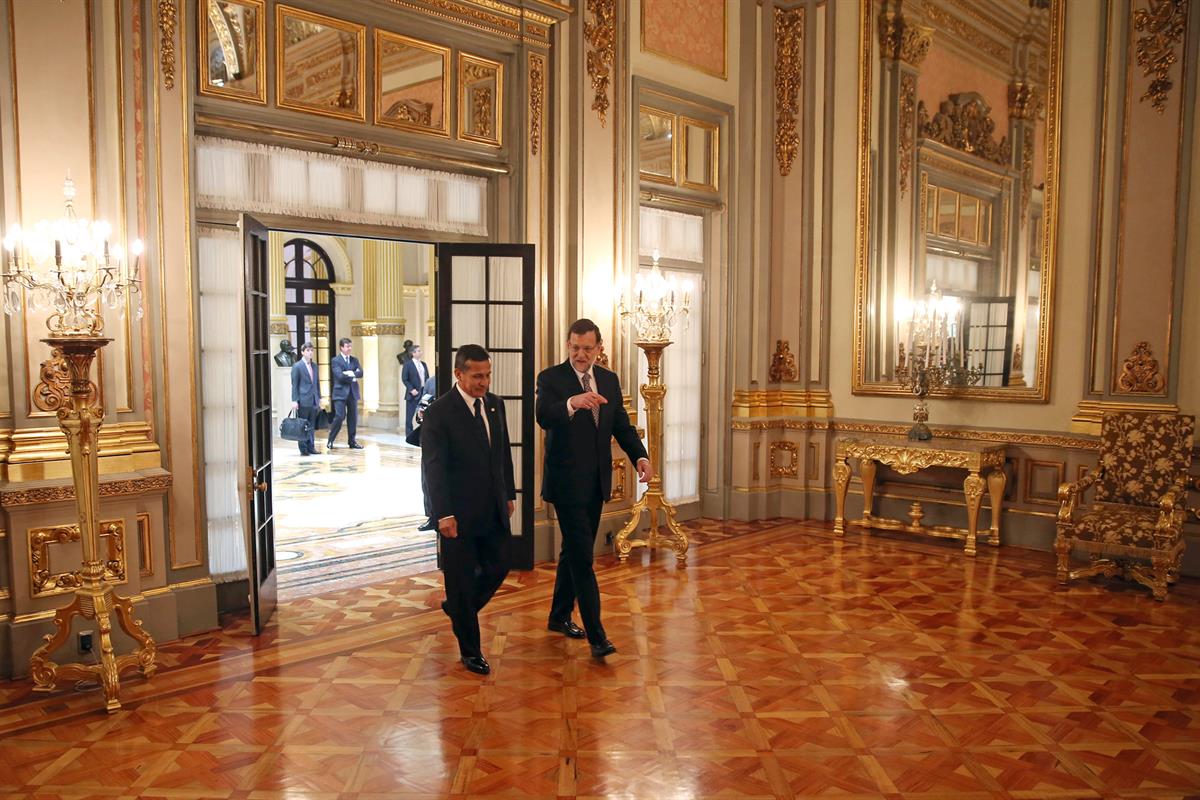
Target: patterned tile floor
[
  {"x": 780, "y": 662},
  {"x": 368, "y": 534}
]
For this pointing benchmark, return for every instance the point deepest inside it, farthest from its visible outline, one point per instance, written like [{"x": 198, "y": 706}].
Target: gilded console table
[{"x": 906, "y": 457}]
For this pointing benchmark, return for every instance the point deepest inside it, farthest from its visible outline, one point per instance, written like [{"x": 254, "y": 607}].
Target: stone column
[
  {"x": 1024, "y": 101},
  {"x": 389, "y": 330},
  {"x": 281, "y": 377}
]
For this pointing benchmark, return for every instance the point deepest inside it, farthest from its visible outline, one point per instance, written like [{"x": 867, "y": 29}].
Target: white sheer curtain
[
  {"x": 676, "y": 236},
  {"x": 239, "y": 176},
  {"x": 681, "y": 372},
  {"x": 221, "y": 284}
]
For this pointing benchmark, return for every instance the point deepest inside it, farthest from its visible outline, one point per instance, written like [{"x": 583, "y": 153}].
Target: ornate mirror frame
[
  {"x": 356, "y": 110},
  {"x": 216, "y": 20},
  {"x": 480, "y": 93},
  {"x": 1037, "y": 389},
  {"x": 383, "y": 37}
]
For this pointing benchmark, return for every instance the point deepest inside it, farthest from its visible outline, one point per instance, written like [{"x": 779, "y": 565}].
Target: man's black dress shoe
[
  {"x": 568, "y": 629},
  {"x": 355, "y": 446},
  {"x": 477, "y": 664},
  {"x": 429, "y": 525},
  {"x": 605, "y": 648},
  {"x": 329, "y": 445}
]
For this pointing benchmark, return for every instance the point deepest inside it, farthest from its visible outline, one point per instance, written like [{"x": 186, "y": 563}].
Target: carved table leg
[
  {"x": 841, "y": 482},
  {"x": 973, "y": 489},
  {"x": 866, "y": 471},
  {"x": 995, "y": 481}
]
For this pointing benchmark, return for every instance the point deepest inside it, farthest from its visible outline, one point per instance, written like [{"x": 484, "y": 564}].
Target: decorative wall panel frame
[
  {"x": 259, "y": 96},
  {"x": 472, "y": 68},
  {"x": 381, "y": 38},
  {"x": 358, "y": 111}
]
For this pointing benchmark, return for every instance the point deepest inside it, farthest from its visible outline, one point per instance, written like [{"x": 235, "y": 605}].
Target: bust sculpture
[{"x": 286, "y": 355}]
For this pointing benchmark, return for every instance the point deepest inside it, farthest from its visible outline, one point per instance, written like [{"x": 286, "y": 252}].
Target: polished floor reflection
[
  {"x": 780, "y": 662},
  {"x": 349, "y": 518}
]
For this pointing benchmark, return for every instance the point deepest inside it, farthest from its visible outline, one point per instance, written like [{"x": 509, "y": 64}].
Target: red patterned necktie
[{"x": 587, "y": 387}]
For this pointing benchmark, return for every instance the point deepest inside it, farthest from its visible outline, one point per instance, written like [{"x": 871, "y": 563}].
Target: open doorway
[{"x": 349, "y": 510}]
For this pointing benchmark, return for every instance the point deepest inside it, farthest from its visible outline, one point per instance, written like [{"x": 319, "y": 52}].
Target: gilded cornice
[
  {"x": 601, "y": 36},
  {"x": 1162, "y": 24},
  {"x": 64, "y": 493},
  {"x": 789, "y": 48},
  {"x": 1090, "y": 414},
  {"x": 973, "y": 37},
  {"x": 168, "y": 18},
  {"x": 780, "y": 403}
]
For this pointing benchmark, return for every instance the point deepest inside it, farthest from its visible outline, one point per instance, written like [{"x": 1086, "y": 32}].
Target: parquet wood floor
[{"x": 780, "y": 662}]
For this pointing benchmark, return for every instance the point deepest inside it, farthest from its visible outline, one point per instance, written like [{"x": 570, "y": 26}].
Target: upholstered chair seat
[{"x": 1138, "y": 512}]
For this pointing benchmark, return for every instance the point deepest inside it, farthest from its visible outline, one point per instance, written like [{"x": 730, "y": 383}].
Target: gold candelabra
[
  {"x": 935, "y": 358},
  {"x": 656, "y": 307},
  {"x": 68, "y": 268}
]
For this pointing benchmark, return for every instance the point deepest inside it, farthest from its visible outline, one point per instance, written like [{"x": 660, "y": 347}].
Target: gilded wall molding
[
  {"x": 789, "y": 63},
  {"x": 1024, "y": 100},
  {"x": 537, "y": 98},
  {"x": 974, "y": 38},
  {"x": 151, "y": 484},
  {"x": 278, "y": 328},
  {"x": 53, "y": 390},
  {"x": 168, "y": 18},
  {"x": 1139, "y": 372},
  {"x": 783, "y": 364},
  {"x": 900, "y": 41},
  {"x": 360, "y": 146},
  {"x": 45, "y": 582},
  {"x": 601, "y": 36},
  {"x": 964, "y": 122},
  {"x": 1162, "y": 24},
  {"x": 1089, "y": 417},
  {"x": 784, "y": 469},
  {"x": 618, "y": 480},
  {"x": 908, "y": 110}
]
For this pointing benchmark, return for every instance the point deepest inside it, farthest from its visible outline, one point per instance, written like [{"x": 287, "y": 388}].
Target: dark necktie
[
  {"x": 479, "y": 421},
  {"x": 587, "y": 387}
]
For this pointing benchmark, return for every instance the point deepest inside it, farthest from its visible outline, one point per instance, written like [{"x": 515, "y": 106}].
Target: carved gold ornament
[
  {"x": 781, "y": 469},
  {"x": 1026, "y": 171},
  {"x": 901, "y": 41},
  {"x": 481, "y": 105},
  {"x": 1139, "y": 373},
  {"x": 964, "y": 121},
  {"x": 46, "y": 582},
  {"x": 278, "y": 328},
  {"x": 789, "y": 47},
  {"x": 537, "y": 98},
  {"x": 54, "y": 387},
  {"x": 783, "y": 364},
  {"x": 618, "y": 480},
  {"x": 601, "y": 36},
  {"x": 168, "y": 15},
  {"x": 602, "y": 359},
  {"x": 908, "y": 99},
  {"x": 1162, "y": 24},
  {"x": 1024, "y": 101},
  {"x": 359, "y": 146},
  {"x": 61, "y": 494}
]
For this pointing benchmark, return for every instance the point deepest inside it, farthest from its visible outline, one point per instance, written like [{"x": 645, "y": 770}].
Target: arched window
[{"x": 308, "y": 291}]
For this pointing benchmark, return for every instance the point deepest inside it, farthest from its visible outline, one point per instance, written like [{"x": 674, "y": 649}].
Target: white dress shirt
[{"x": 470, "y": 401}]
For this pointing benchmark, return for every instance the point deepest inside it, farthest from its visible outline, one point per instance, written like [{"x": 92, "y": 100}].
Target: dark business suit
[
  {"x": 471, "y": 479},
  {"x": 346, "y": 395},
  {"x": 410, "y": 376},
  {"x": 577, "y": 479},
  {"x": 306, "y": 392}
]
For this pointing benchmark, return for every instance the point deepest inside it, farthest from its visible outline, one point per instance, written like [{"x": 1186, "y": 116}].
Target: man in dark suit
[
  {"x": 413, "y": 375},
  {"x": 346, "y": 373},
  {"x": 306, "y": 395},
  {"x": 469, "y": 472},
  {"x": 579, "y": 406}
]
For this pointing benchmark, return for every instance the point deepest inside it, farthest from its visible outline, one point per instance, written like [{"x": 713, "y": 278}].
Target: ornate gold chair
[{"x": 1138, "y": 512}]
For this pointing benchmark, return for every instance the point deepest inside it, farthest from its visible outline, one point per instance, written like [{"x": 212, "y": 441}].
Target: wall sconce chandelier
[
  {"x": 68, "y": 268},
  {"x": 657, "y": 305},
  {"x": 934, "y": 357}
]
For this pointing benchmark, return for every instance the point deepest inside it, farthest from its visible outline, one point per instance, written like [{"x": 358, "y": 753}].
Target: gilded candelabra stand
[
  {"x": 654, "y": 311},
  {"x": 82, "y": 274},
  {"x": 935, "y": 358}
]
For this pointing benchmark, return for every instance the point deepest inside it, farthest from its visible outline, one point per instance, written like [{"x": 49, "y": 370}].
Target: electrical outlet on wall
[{"x": 83, "y": 642}]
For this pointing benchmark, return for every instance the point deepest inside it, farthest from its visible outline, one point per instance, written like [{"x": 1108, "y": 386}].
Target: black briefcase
[{"x": 295, "y": 429}]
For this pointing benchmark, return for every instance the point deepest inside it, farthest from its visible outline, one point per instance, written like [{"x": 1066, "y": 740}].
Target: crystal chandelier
[
  {"x": 69, "y": 268},
  {"x": 658, "y": 303}
]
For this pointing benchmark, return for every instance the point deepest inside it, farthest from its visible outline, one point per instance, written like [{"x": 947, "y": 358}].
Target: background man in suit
[
  {"x": 306, "y": 395},
  {"x": 579, "y": 406},
  {"x": 346, "y": 373},
  {"x": 469, "y": 471},
  {"x": 413, "y": 375}
]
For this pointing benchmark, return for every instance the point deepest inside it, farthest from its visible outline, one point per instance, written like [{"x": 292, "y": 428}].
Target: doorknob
[
  {"x": 262, "y": 487},
  {"x": 254, "y": 487}
]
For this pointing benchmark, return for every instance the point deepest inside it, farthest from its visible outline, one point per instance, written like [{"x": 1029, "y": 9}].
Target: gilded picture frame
[
  {"x": 480, "y": 106},
  {"x": 348, "y": 102},
  {"x": 219, "y": 53},
  {"x": 410, "y": 110}
]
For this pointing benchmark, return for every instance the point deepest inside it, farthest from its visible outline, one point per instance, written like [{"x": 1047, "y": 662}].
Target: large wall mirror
[
  {"x": 320, "y": 64},
  {"x": 233, "y": 48},
  {"x": 957, "y": 192}
]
